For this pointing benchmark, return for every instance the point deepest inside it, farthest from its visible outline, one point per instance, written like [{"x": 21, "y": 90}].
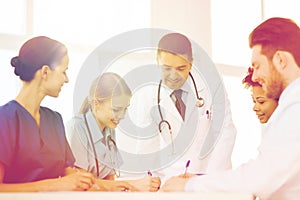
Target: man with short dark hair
[{"x": 184, "y": 111}]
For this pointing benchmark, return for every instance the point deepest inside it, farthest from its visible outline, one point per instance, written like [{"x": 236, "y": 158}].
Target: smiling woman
[
  {"x": 263, "y": 105},
  {"x": 92, "y": 134},
  {"x": 34, "y": 151}
]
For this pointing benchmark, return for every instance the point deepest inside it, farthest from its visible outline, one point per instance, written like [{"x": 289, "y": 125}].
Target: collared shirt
[
  {"x": 288, "y": 89},
  {"x": 214, "y": 156},
  {"x": 275, "y": 173},
  {"x": 82, "y": 146},
  {"x": 185, "y": 91}
]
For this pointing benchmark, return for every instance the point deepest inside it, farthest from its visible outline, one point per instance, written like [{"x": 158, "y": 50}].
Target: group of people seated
[{"x": 38, "y": 152}]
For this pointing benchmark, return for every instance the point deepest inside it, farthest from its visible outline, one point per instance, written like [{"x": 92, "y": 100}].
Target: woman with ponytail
[{"x": 92, "y": 136}]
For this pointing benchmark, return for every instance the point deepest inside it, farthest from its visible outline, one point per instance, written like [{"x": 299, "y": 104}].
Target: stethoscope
[
  {"x": 109, "y": 140},
  {"x": 200, "y": 103}
]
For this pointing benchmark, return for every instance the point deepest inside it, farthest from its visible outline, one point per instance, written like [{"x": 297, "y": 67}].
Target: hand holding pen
[
  {"x": 74, "y": 170},
  {"x": 72, "y": 179},
  {"x": 186, "y": 168},
  {"x": 146, "y": 184},
  {"x": 187, "y": 175}
]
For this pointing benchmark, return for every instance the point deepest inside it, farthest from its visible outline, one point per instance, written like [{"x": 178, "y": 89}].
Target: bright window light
[
  {"x": 12, "y": 17},
  {"x": 232, "y": 22},
  {"x": 89, "y": 22},
  {"x": 278, "y": 8}
]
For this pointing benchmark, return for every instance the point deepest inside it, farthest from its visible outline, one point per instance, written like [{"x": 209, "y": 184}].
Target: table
[{"x": 124, "y": 196}]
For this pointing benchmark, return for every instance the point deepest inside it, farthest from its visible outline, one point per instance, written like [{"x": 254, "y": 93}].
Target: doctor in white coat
[
  {"x": 275, "y": 173},
  {"x": 201, "y": 130}
]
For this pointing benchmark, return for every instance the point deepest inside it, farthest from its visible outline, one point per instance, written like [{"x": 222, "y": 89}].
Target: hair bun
[{"x": 16, "y": 63}]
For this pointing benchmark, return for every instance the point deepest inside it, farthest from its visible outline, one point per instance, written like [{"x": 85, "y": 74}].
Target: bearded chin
[{"x": 275, "y": 88}]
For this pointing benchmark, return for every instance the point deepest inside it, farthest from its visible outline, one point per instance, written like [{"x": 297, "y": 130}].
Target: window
[
  {"x": 89, "y": 22},
  {"x": 12, "y": 17},
  {"x": 278, "y": 8},
  {"x": 81, "y": 25},
  {"x": 232, "y": 21}
]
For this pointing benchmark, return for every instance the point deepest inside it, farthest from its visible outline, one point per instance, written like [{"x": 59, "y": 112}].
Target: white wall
[{"x": 190, "y": 17}]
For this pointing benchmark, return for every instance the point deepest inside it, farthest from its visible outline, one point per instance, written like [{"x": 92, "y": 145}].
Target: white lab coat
[
  {"x": 192, "y": 132},
  {"x": 275, "y": 173}
]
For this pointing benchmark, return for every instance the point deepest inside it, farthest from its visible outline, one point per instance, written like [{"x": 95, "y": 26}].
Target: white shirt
[
  {"x": 207, "y": 152},
  {"x": 275, "y": 173}
]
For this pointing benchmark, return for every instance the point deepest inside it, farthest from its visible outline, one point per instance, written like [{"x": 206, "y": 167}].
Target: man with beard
[{"x": 275, "y": 173}]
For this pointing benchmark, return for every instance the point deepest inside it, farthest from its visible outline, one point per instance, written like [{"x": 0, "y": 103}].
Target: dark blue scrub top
[{"x": 30, "y": 153}]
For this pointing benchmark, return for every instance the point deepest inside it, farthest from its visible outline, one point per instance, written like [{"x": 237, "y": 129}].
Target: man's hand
[{"x": 175, "y": 184}]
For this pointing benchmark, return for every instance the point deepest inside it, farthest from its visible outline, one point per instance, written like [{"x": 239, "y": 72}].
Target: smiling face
[
  {"x": 265, "y": 73},
  {"x": 110, "y": 112},
  {"x": 175, "y": 69},
  {"x": 263, "y": 106}
]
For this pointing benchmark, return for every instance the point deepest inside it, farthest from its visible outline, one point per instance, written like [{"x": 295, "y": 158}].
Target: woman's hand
[
  {"x": 175, "y": 184},
  {"x": 74, "y": 181},
  {"x": 112, "y": 185},
  {"x": 147, "y": 184},
  {"x": 79, "y": 181}
]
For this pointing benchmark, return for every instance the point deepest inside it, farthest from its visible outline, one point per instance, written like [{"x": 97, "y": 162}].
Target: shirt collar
[
  {"x": 288, "y": 89},
  {"x": 95, "y": 130},
  {"x": 186, "y": 87}
]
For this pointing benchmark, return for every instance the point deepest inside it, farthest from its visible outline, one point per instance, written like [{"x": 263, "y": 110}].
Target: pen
[
  {"x": 186, "y": 167},
  {"x": 149, "y": 173}
]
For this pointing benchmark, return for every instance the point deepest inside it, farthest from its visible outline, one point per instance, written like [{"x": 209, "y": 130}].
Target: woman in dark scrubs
[{"x": 34, "y": 153}]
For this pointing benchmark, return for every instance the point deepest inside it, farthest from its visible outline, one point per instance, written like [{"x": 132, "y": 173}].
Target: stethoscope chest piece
[{"x": 200, "y": 102}]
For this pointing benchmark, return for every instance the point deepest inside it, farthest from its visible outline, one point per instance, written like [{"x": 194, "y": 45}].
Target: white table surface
[{"x": 124, "y": 196}]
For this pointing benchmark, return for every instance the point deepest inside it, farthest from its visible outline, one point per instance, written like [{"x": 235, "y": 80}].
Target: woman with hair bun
[{"x": 34, "y": 153}]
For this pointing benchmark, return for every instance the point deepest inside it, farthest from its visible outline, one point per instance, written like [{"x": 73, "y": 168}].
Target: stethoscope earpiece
[{"x": 200, "y": 102}]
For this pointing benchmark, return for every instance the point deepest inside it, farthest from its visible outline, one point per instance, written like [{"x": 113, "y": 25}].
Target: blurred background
[{"x": 220, "y": 27}]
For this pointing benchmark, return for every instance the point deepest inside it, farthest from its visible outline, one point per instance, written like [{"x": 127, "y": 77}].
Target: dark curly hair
[{"x": 247, "y": 81}]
